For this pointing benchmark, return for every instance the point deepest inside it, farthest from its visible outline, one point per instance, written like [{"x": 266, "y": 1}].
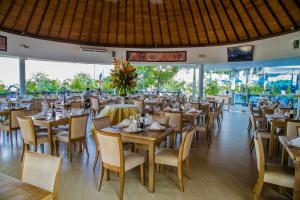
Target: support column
[
  {"x": 22, "y": 78},
  {"x": 201, "y": 81},
  {"x": 194, "y": 83}
]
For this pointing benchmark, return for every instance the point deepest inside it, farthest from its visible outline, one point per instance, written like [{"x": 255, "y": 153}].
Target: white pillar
[
  {"x": 194, "y": 82},
  {"x": 201, "y": 81},
  {"x": 22, "y": 78}
]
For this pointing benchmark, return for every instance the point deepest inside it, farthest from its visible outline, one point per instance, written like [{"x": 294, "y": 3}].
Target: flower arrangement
[{"x": 123, "y": 77}]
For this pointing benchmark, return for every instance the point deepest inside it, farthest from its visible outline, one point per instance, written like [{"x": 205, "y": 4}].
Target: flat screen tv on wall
[{"x": 241, "y": 53}]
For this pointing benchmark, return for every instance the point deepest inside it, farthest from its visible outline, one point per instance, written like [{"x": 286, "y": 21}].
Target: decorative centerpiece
[{"x": 123, "y": 78}]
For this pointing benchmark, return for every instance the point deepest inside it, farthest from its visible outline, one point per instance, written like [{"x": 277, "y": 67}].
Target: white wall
[{"x": 276, "y": 47}]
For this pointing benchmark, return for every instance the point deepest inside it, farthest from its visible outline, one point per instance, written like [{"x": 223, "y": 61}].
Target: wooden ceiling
[{"x": 150, "y": 23}]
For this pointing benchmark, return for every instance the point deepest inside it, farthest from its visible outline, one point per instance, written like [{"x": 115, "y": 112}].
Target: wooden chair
[
  {"x": 12, "y": 123},
  {"x": 205, "y": 128},
  {"x": 264, "y": 133},
  {"x": 37, "y": 104},
  {"x": 115, "y": 159},
  {"x": 267, "y": 111},
  {"x": 95, "y": 106},
  {"x": 98, "y": 124},
  {"x": 292, "y": 128},
  {"x": 42, "y": 171},
  {"x": 162, "y": 120},
  {"x": 257, "y": 116},
  {"x": 140, "y": 104},
  {"x": 30, "y": 136},
  {"x": 218, "y": 114},
  {"x": 273, "y": 174},
  {"x": 75, "y": 104},
  {"x": 176, "y": 121},
  {"x": 76, "y": 133},
  {"x": 173, "y": 157},
  {"x": 196, "y": 105}
]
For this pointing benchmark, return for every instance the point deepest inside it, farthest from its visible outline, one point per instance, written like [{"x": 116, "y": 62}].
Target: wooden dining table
[
  {"x": 11, "y": 188},
  {"x": 294, "y": 154},
  {"x": 148, "y": 138},
  {"x": 50, "y": 123}
]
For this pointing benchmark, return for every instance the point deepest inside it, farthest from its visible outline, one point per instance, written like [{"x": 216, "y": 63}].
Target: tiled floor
[{"x": 226, "y": 170}]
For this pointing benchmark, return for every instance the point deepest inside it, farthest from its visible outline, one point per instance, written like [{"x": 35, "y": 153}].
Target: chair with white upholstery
[
  {"x": 75, "y": 104},
  {"x": 98, "y": 124},
  {"x": 162, "y": 120},
  {"x": 176, "y": 158},
  {"x": 206, "y": 128},
  {"x": 76, "y": 133},
  {"x": 30, "y": 136},
  {"x": 176, "y": 122},
  {"x": 139, "y": 104},
  {"x": 95, "y": 106},
  {"x": 272, "y": 174},
  {"x": 292, "y": 128},
  {"x": 42, "y": 171},
  {"x": 115, "y": 159}
]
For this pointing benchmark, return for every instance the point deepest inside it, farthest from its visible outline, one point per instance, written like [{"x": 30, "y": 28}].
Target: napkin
[
  {"x": 295, "y": 142},
  {"x": 125, "y": 122},
  {"x": 167, "y": 108},
  {"x": 132, "y": 128},
  {"x": 40, "y": 115},
  {"x": 192, "y": 110},
  {"x": 156, "y": 126},
  {"x": 148, "y": 119}
]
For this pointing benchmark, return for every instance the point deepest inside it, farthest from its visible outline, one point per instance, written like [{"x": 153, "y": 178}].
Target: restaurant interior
[{"x": 150, "y": 99}]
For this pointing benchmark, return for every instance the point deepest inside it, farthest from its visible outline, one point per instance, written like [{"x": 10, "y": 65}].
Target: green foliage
[
  {"x": 212, "y": 88},
  {"x": 80, "y": 82}
]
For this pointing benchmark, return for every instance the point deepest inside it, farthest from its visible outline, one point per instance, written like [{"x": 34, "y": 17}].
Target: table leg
[
  {"x": 284, "y": 157},
  {"x": 272, "y": 139},
  {"x": 171, "y": 139},
  {"x": 297, "y": 181},
  {"x": 50, "y": 140},
  {"x": 151, "y": 167}
]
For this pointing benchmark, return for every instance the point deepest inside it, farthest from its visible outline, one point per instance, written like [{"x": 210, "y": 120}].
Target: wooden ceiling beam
[
  {"x": 194, "y": 23},
  {"x": 176, "y": 24},
  {"x": 63, "y": 18},
  {"x": 220, "y": 21},
  {"x": 151, "y": 25},
  {"x": 7, "y": 12},
  {"x": 287, "y": 13},
  {"x": 202, "y": 19},
  {"x": 134, "y": 29},
  {"x": 108, "y": 22},
  {"x": 43, "y": 17},
  {"x": 31, "y": 15},
  {"x": 100, "y": 20},
  {"x": 240, "y": 19},
  {"x": 229, "y": 19},
  {"x": 167, "y": 19},
  {"x": 273, "y": 15},
  {"x": 117, "y": 31},
  {"x": 53, "y": 17},
  {"x": 73, "y": 19},
  {"x": 185, "y": 23},
  {"x": 247, "y": 13},
  {"x": 19, "y": 14},
  {"x": 92, "y": 21},
  {"x": 159, "y": 25},
  {"x": 83, "y": 18},
  {"x": 210, "y": 20},
  {"x": 260, "y": 16}
]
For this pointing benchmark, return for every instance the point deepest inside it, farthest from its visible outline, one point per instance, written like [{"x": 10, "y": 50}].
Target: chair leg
[
  {"x": 107, "y": 174},
  {"x": 142, "y": 174},
  {"x": 42, "y": 147},
  {"x": 188, "y": 168},
  {"x": 16, "y": 135},
  {"x": 70, "y": 150},
  {"x": 101, "y": 177},
  {"x": 23, "y": 150},
  {"x": 11, "y": 139},
  {"x": 85, "y": 146},
  {"x": 180, "y": 178},
  {"x": 35, "y": 148},
  {"x": 122, "y": 177},
  {"x": 258, "y": 189},
  {"x": 56, "y": 147},
  {"x": 96, "y": 158}
]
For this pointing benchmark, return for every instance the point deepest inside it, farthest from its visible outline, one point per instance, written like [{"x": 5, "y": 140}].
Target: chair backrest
[
  {"x": 260, "y": 156},
  {"x": 101, "y": 122},
  {"x": 163, "y": 120},
  {"x": 186, "y": 144},
  {"x": 37, "y": 104},
  {"x": 139, "y": 104},
  {"x": 77, "y": 111},
  {"x": 196, "y": 106},
  {"x": 14, "y": 113},
  {"x": 292, "y": 129},
  {"x": 268, "y": 111},
  {"x": 285, "y": 110},
  {"x": 78, "y": 126},
  {"x": 75, "y": 104},
  {"x": 95, "y": 103},
  {"x": 27, "y": 130},
  {"x": 42, "y": 171},
  {"x": 253, "y": 122},
  {"x": 175, "y": 120},
  {"x": 111, "y": 148},
  {"x": 210, "y": 120}
]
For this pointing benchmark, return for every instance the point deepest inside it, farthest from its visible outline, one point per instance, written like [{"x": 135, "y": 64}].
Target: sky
[{"x": 9, "y": 70}]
